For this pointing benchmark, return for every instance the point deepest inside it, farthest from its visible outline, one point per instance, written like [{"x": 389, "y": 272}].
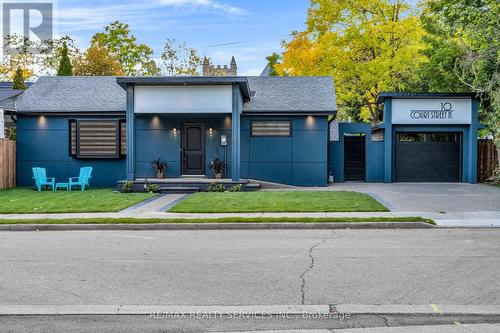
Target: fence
[
  {"x": 7, "y": 163},
  {"x": 487, "y": 159}
]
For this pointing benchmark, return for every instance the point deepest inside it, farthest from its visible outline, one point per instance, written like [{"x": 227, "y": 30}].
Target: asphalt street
[{"x": 247, "y": 267}]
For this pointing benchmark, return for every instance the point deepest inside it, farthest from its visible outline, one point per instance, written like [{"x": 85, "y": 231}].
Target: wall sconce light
[
  {"x": 42, "y": 121},
  {"x": 174, "y": 130},
  {"x": 210, "y": 131}
]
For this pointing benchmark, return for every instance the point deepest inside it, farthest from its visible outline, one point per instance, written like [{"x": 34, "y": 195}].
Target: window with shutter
[
  {"x": 271, "y": 128},
  {"x": 97, "y": 138}
]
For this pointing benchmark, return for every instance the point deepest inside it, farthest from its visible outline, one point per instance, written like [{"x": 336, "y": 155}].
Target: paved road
[{"x": 447, "y": 266}]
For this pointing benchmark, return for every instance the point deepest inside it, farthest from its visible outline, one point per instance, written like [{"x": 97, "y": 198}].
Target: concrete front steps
[{"x": 188, "y": 184}]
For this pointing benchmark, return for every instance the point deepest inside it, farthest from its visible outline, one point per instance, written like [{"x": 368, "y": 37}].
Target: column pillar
[
  {"x": 388, "y": 146},
  {"x": 130, "y": 118},
  {"x": 235, "y": 133}
]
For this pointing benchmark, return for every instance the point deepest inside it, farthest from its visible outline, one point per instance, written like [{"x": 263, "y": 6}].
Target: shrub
[
  {"x": 152, "y": 188},
  {"x": 128, "y": 187},
  {"x": 235, "y": 188},
  {"x": 216, "y": 187},
  {"x": 495, "y": 177}
]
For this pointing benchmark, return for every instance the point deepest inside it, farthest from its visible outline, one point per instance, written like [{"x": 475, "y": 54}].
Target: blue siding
[
  {"x": 298, "y": 160},
  {"x": 374, "y": 153},
  {"x": 155, "y": 138},
  {"x": 43, "y": 141}
]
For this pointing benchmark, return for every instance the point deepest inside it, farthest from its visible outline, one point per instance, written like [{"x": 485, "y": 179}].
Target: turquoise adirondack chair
[
  {"x": 40, "y": 177},
  {"x": 82, "y": 180}
]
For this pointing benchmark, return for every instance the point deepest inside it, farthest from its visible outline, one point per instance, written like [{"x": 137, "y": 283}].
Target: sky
[{"x": 248, "y": 29}]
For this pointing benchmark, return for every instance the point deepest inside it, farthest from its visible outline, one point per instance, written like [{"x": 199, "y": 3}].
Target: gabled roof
[
  {"x": 273, "y": 94},
  {"x": 291, "y": 94},
  {"x": 7, "y": 85},
  {"x": 73, "y": 94}
]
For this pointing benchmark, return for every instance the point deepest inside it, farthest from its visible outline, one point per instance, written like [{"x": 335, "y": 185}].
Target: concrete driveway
[
  {"x": 448, "y": 204},
  {"x": 430, "y": 197}
]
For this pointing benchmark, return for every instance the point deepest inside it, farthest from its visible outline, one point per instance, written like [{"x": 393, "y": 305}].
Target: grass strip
[
  {"x": 278, "y": 201},
  {"x": 215, "y": 220}
]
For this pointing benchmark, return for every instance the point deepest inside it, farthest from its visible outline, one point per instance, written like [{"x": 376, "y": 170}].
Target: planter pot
[
  {"x": 159, "y": 175},
  {"x": 218, "y": 175}
]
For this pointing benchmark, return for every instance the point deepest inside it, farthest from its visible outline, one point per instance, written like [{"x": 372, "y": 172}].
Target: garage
[{"x": 428, "y": 157}]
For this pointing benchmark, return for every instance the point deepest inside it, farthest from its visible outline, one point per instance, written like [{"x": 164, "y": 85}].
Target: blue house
[
  {"x": 265, "y": 128},
  {"x": 278, "y": 129}
]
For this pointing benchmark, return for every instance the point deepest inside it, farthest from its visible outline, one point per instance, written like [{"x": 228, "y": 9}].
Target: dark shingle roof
[
  {"x": 101, "y": 94},
  {"x": 7, "y": 85},
  {"x": 291, "y": 94},
  {"x": 73, "y": 94}
]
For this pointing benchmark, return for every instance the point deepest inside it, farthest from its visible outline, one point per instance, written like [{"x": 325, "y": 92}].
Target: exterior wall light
[
  {"x": 210, "y": 131},
  {"x": 174, "y": 130}
]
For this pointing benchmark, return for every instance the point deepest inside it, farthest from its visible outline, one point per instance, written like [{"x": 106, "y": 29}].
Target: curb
[
  {"x": 161, "y": 310},
  {"x": 216, "y": 226},
  {"x": 252, "y": 310}
]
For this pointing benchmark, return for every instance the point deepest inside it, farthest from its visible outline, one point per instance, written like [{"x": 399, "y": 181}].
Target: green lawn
[
  {"x": 278, "y": 201},
  {"x": 216, "y": 220},
  {"x": 26, "y": 200}
]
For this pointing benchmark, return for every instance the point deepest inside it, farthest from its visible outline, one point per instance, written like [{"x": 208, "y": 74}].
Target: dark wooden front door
[
  {"x": 193, "y": 149},
  {"x": 354, "y": 157}
]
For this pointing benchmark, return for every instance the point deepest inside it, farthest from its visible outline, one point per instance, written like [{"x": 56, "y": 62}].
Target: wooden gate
[
  {"x": 487, "y": 159},
  {"x": 7, "y": 163}
]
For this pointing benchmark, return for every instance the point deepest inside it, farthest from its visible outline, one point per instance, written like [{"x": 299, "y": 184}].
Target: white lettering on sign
[{"x": 432, "y": 111}]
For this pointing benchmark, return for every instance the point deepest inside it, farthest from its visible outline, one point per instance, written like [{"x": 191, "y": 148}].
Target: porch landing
[{"x": 188, "y": 185}]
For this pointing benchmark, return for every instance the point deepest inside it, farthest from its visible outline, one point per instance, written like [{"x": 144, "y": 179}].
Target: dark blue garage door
[{"x": 428, "y": 157}]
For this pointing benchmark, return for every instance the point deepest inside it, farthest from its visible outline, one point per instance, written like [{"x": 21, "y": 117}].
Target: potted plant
[
  {"x": 160, "y": 168},
  {"x": 218, "y": 166}
]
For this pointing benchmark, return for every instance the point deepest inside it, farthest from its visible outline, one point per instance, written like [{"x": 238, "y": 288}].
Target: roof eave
[
  {"x": 405, "y": 95},
  {"x": 241, "y": 81}
]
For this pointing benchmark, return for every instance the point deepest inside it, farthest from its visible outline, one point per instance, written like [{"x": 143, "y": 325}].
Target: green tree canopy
[
  {"x": 136, "y": 59},
  {"x": 98, "y": 61},
  {"x": 18, "y": 82},
  {"x": 368, "y": 46},
  {"x": 179, "y": 59},
  {"x": 65, "y": 67},
  {"x": 463, "y": 47}
]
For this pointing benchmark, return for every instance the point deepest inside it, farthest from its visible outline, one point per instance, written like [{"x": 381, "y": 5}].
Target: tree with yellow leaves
[{"x": 368, "y": 46}]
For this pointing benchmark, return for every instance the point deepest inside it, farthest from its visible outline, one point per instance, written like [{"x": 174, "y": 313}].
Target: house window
[
  {"x": 271, "y": 128},
  {"x": 97, "y": 138},
  {"x": 411, "y": 137}
]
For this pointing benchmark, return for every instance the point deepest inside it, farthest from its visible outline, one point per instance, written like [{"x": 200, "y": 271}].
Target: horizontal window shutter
[
  {"x": 123, "y": 138},
  {"x": 98, "y": 138},
  {"x": 72, "y": 133},
  {"x": 276, "y": 128}
]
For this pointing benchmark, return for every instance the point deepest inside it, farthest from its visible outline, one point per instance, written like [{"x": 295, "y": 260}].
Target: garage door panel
[{"x": 428, "y": 161}]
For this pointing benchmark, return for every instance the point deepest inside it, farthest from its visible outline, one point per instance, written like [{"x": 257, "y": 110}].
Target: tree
[
  {"x": 65, "y": 67},
  {"x": 463, "y": 44},
  {"x": 179, "y": 59},
  {"x": 136, "y": 59},
  {"x": 98, "y": 61},
  {"x": 18, "y": 82},
  {"x": 22, "y": 56},
  {"x": 367, "y": 46},
  {"x": 273, "y": 60}
]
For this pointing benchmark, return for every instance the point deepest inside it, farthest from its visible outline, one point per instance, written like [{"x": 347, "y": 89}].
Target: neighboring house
[
  {"x": 8, "y": 97},
  {"x": 277, "y": 129},
  {"x": 265, "y": 128}
]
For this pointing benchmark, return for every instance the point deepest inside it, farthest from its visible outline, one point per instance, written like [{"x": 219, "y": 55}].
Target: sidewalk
[
  {"x": 156, "y": 208},
  {"x": 473, "y": 219}
]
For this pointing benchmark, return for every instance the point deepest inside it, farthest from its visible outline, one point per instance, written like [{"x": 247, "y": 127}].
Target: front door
[{"x": 193, "y": 149}]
